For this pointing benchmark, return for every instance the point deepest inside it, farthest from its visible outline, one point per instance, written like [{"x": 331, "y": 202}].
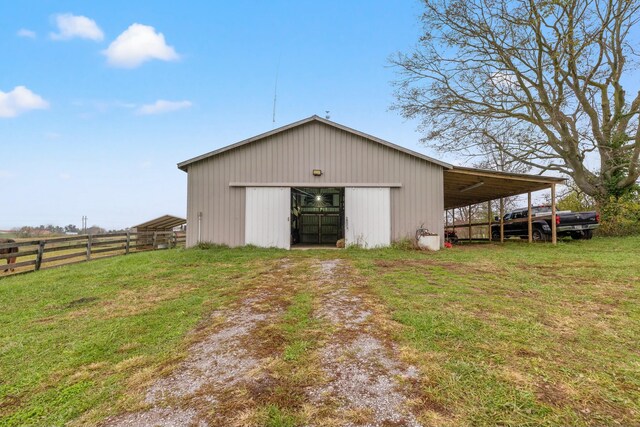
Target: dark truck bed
[{"x": 578, "y": 225}]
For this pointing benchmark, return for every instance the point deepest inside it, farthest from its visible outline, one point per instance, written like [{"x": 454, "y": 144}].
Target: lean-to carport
[
  {"x": 464, "y": 187},
  {"x": 158, "y": 231}
]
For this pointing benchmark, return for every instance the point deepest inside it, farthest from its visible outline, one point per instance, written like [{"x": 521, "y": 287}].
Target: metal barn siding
[
  {"x": 287, "y": 158},
  {"x": 367, "y": 217},
  {"x": 267, "y": 223}
]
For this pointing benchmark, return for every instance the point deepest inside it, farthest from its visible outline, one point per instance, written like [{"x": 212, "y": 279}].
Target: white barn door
[
  {"x": 367, "y": 216},
  {"x": 267, "y": 211}
]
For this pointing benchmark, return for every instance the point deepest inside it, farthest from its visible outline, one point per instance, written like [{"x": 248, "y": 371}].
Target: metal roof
[
  {"x": 467, "y": 186},
  {"x": 463, "y": 186},
  {"x": 183, "y": 165},
  {"x": 163, "y": 222}
]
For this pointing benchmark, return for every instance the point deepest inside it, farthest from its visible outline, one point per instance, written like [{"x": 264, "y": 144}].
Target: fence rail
[{"x": 34, "y": 255}]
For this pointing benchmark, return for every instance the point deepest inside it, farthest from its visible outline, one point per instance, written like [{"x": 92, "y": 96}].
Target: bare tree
[{"x": 539, "y": 81}]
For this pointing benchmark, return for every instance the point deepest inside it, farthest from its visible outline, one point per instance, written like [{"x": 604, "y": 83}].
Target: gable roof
[{"x": 183, "y": 165}]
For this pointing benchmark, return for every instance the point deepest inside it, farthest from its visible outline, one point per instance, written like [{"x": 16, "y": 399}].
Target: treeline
[
  {"x": 620, "y": 216},
  {"x": 56, "y": 230}
]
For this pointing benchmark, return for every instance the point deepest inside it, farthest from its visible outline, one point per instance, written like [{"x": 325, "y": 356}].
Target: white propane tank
[{"x": 427, "y": 241}]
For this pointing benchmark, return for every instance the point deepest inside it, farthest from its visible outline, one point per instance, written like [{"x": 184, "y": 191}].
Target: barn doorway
[{"x": 317, "y": 216}]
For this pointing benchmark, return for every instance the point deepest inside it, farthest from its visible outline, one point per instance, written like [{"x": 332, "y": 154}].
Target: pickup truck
[{"x": 578, "y": 225}]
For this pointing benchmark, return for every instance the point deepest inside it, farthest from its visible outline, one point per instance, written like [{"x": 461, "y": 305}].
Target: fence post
[
  {"x": 126, "y": 246},
  {"x": 41, "y": 244},
  {"x": 174, "y": 241},
  {"x": 89, "y": 247},
  {"x": 155, "y": 239}
]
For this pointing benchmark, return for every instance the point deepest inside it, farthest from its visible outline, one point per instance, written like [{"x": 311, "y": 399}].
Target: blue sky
[{"x": 83, "y": 139}]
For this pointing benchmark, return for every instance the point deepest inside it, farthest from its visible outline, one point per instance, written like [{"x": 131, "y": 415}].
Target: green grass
[
  {"x": 521, "y": 334},
  {"x": 275, "y": 417},
  {"x": 295, "y": 369},
  {"x": 512, "y": 334},
  {"x": 71, "y": 338},
  {"x": 297, "y": 321}
]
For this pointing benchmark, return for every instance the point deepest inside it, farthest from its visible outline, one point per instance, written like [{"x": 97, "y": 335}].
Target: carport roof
[
  {"x": 467, "y": 186},
  {"x": 163, "y": 222}
]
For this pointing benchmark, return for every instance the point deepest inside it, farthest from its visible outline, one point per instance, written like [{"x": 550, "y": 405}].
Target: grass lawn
[
  {"x": 515, "y": 334},
  {"x": 521, "y": 334},
  {"x": 73, "y": 339}
]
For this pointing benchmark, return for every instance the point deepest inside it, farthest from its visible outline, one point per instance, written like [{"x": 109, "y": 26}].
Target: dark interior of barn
[{"x": 317, "y": 216}]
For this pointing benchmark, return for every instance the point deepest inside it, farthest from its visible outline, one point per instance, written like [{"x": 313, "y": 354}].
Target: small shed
[{"x": 158, "y": 231}]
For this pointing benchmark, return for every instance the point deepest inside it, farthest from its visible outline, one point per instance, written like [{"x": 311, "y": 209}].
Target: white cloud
[
  {"x": 75, "y": 26},
  {"x": 503, "y": 81},
  {"x": 65, "y": 176},
  {"x": 162, "y": 106},
  {"x": 20, "y": 100},
  {"x": 6, "y": 174},
  {"x": 23, "y": 32},
  {"x": 137, "y": 44}
]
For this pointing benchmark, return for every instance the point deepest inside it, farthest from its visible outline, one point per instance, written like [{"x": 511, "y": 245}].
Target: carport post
[
  {"x": 501, "y": 220},
  {"x": 469, "y": 223},
  {"x": 489, "y": 226},
  {"x": 529, "y": 225},
  {"x": 446, "y": 219},
  {"x": 554, "y": 237}
]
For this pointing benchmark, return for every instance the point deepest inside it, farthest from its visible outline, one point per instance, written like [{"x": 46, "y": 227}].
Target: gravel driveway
[{"x": 361, "y": 380}]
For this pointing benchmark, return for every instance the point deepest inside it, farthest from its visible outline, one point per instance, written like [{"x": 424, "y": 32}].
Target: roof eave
[{"x": 524, "y": 176}]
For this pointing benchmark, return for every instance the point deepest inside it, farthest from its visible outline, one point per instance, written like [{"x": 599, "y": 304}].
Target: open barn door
[
  {"x": 267, "y": 215},
  {"x": 367, "y": 217}
]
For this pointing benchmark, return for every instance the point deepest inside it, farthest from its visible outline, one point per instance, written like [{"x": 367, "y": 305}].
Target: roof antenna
[
  {"x": 275, "y": 92},
  {"x": 327, "y": 116}
]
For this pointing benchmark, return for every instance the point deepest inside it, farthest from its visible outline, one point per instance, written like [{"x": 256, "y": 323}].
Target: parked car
[{"x": 578, "y": 225}]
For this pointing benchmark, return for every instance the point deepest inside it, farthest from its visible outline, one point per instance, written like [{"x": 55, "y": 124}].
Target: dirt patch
[
  {"x": 80, "y": 301},
  {"x": 365, "y": 378},
  {"x": 220, "y": 358},
  {"x": 174, "y": 417},
  {"x": 523, "y": 352},
  {"x": 551, "y": 394}
]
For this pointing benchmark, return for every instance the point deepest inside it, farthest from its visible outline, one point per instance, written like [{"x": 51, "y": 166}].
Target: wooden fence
[
  {"x": 477, "y": 230},
  {"x": 34, "y": 255}
]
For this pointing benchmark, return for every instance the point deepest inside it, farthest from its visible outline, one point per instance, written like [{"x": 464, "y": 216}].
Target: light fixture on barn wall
[{"x": 317, "y": 172}]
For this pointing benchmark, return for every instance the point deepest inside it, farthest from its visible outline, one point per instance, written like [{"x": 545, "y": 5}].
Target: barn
[{"x": 314, "y": 182}]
